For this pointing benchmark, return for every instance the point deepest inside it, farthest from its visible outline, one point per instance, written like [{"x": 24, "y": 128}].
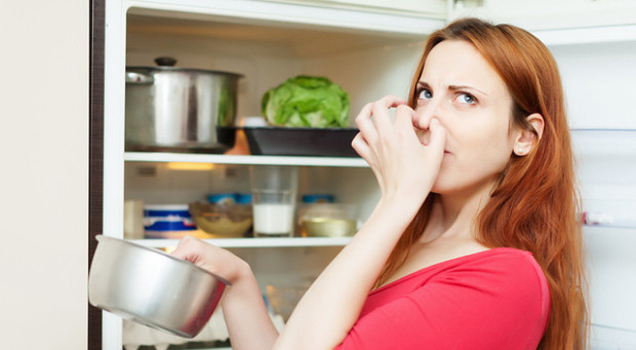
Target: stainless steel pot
[
  {"x": 179, "y": 108},
  {"x": 151, "y": 287}
]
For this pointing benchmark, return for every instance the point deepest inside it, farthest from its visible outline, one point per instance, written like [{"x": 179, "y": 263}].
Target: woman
[{"x": 474, "y": 243}]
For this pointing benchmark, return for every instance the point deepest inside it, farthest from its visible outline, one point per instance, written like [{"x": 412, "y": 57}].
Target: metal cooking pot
[
  {"x": 151, "y": 287},
  {"x": 180, "y": 109}
]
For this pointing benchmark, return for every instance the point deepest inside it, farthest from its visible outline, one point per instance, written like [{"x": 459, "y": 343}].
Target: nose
[{"x": 423, "y": 116}]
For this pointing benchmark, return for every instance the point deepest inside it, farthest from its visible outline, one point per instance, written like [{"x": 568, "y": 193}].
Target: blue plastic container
[
  {"x": 222, "y": 198},
  {"x": 167, "y": 218},
  {"x": 317, "y": 198}
]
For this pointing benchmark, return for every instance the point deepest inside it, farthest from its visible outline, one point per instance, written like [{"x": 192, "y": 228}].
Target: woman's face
[{"x": 460, "y": 89}]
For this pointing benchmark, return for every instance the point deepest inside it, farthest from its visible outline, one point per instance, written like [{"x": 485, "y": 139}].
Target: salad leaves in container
[{"x": 306, "y": 101}]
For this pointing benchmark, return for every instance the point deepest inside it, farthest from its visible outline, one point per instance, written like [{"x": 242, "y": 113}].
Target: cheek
[
  {"x": 486, "y": 150},
  {"x": 492, "y": 156}
]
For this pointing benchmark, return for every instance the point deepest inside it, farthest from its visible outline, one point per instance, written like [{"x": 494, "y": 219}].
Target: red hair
[{"x": 534, "y": 204}]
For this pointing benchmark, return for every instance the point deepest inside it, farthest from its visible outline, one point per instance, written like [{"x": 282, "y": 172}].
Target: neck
[{"x": 454, "y": 215}]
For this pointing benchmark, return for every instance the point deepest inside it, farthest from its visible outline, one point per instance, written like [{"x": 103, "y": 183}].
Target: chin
[
  {"x": 441, "y": 188},
  {"x": 447, "y": 187}
]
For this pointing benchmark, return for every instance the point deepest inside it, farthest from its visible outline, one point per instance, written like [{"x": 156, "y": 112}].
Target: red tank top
[{"x": 492, "y": 300}]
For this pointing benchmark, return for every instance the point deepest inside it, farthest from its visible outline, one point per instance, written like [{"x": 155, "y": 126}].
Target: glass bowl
[{"x": 222, "y": 220}]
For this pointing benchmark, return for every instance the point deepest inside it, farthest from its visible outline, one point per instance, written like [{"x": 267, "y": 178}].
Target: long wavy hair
[{"x": 535, "y": 202}]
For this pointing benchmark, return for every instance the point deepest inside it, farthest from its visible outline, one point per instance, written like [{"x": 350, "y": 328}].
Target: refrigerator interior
[
  {"x": 368, "y": 65},
  {"x": 597, "y": 80}
]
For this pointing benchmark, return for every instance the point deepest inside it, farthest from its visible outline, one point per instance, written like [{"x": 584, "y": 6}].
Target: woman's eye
[
  {"x": 466, "y": 98},
  {"x": 425, "y": 94}
]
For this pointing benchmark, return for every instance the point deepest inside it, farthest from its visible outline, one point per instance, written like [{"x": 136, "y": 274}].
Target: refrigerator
[{"x": 370, "y": 49}]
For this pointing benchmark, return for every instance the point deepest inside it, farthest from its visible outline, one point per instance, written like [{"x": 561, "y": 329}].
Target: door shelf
[
  {"x": 254, "y": 242},
  {"x": 607, "y": 220},
  {"x": 246, "y": 160}
]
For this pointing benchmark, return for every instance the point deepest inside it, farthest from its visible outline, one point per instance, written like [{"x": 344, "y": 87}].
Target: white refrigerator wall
[{"x": 598, "y": 79}]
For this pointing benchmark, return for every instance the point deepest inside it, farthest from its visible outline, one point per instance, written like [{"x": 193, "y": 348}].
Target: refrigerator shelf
[
  {"x": 254, "y": 242},
  {"x": 246, "y": 160}
]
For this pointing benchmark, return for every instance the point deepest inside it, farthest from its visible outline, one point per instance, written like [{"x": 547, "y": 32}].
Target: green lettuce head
[{"x": 304, "y": 101}]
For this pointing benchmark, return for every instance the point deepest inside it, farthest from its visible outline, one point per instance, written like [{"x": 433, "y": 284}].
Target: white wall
[{"x": 44, "y": 174}]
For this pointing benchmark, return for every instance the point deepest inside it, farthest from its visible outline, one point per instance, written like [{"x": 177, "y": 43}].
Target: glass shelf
[{"x": 247, "y": 160}]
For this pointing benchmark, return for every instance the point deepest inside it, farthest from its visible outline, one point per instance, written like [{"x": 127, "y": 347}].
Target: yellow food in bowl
[
  {"x": 223, "y": 226},
  {"x": 328, "y": 227},
  {"x": 222, "y": 221}
]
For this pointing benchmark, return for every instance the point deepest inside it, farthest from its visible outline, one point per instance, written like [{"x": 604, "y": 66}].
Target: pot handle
[
  {"x": 165, "y": 61},
  {"x": 138, "y": 78}
]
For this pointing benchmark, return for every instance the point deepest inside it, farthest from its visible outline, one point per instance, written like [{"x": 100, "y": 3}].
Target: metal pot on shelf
[{"x": 180, "y": 109}]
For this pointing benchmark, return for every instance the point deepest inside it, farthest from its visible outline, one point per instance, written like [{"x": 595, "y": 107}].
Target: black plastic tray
[{"x": 314, "y": 142}]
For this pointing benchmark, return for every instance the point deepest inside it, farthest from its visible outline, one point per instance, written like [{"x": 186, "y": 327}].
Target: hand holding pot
[
  {"x": 213, "y": 259},
  {"x": 151, "y": 287},
  {"x": 246, "y": 317}
]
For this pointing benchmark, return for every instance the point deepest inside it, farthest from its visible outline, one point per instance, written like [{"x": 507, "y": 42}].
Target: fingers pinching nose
[
  {"x": 434, "y": 123},
  {"x": 391, "y": 101},
  {"x": 438, "y": 133},
  {"x": 405, "y": 115}
]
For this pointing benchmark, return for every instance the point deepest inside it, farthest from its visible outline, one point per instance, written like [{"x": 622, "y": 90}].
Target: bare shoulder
[
  {"x": 423, "y": 256},
  {"x": 513, "y": 273}
]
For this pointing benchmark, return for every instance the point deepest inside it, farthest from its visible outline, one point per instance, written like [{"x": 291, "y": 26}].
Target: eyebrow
[{"x": 452, "y": 87}]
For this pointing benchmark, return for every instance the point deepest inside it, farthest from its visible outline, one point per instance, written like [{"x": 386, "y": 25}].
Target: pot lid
[{"x": 166, "y": 64}]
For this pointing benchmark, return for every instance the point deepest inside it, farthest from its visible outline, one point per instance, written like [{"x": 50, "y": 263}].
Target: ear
[{"x": 526, "y": 139}]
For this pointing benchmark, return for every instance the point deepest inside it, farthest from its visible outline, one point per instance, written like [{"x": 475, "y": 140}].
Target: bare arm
[
  {"x": 246, "y": 316},
  {"x": 406, "y": 169}
]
